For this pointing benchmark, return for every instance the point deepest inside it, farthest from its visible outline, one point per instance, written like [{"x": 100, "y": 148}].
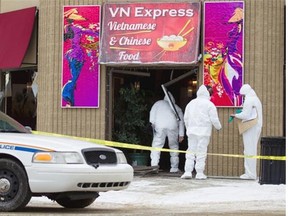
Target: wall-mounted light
[
  {"x": 191, "y": 88},
  {"x": 194, "y": 84},
  {"x": 137, "y": 85}
]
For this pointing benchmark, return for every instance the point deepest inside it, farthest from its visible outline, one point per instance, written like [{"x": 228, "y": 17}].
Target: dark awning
[{"x": 16, "y": 28}]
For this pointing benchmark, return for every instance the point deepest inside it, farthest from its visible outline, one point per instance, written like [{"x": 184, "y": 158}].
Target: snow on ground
[
  {"x": 217, "y": 194},
  {"x": 176, "y": 191}
]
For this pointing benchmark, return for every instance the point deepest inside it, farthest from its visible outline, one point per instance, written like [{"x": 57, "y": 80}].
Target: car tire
[
  {"x": 15, "y": 192},
  {"x": 80, "y": 203}
]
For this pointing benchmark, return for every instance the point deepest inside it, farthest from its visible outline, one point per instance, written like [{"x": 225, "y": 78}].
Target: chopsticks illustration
[{"x": 187, "y": 32}]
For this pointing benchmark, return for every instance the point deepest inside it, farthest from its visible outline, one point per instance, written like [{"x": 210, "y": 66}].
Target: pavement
[{"x": 163, "y": 193}]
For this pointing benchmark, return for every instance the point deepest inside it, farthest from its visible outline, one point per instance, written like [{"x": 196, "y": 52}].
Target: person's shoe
[
  {"x": 245, "y": 176},
  {"x": 174, "y": 170},
  {"x": 186, "y": 175},
  {"x": 200, "y": 176}
]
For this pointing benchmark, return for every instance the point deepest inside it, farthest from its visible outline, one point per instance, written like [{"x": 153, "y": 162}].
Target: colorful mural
[
  {"x": 223, "y": 51},
  {"x": 80, "y": 72}
]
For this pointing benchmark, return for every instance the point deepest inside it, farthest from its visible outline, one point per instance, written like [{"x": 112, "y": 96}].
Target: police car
[{"x": 69, "y": 171}]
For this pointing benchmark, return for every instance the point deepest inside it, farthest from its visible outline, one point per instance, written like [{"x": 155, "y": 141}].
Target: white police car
[{"x": 67, "y": 170}]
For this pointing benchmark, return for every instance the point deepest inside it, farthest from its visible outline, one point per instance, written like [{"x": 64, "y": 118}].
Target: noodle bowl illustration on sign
[{"x": 172, "y": 42}]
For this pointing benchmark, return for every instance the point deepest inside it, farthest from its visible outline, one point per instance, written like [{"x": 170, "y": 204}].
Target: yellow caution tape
[{"x": 147, "y": 148}]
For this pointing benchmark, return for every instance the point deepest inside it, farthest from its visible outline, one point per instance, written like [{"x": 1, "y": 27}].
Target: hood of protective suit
[
  {"x": 251, "y": 102},
  {"x": 246, "y": 89},
  {"x": 201, "y": 114},
  {"x": 203, "y": 92},
  {"x": 171, "y": 97}
]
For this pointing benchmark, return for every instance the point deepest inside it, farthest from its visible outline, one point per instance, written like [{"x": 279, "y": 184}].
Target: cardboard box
[{"x": 244, "y": 126}]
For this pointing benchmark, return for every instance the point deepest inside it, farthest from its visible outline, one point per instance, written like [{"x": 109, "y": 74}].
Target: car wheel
[
  {"x": 14, "y": 189},
  {"x": 80, "y": 203}
]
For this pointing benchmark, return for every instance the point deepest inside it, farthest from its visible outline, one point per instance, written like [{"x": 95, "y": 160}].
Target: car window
[
  {"x": 7, "y": 124},
  {"x": 6, "y": 127}
]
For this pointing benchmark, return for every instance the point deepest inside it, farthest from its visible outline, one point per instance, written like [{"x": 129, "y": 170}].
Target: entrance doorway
[
  {"x": 19, "y": 99},
  {"x": 181, "y": 82}
]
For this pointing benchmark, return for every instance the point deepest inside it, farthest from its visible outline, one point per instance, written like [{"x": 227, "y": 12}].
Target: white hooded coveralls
[
  {"x": 199, "y": 116},
  {"x": 165, "y": 124},
  {"x": 252, "y": 135}
]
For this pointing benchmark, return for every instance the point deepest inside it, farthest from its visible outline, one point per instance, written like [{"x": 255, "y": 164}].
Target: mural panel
[
  {"x": 80, "y": 69},
  {"x": 223, "y": 51}
]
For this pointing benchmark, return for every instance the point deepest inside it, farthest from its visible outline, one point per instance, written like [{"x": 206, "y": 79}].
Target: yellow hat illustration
[
  {"x": 73, "y": 14},
  {"x": 237, "y": 15}
]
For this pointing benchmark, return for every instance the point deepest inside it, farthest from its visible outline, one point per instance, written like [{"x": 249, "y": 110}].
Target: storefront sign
[
  {"x": 223, "y": 51},
  {"x": 150, "y": 33},
  {"x": 80, "y": 72}
]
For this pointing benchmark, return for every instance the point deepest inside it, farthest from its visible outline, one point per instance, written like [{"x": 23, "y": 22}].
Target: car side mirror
[{"x": 28, "y": 128}]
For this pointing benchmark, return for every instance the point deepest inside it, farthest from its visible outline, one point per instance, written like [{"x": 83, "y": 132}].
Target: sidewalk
[
  {"x": 212, "y": 196},
  {"x": 168, "y": 194}
]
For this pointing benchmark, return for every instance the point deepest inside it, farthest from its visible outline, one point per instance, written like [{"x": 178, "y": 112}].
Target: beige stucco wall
[{"x": 264, "y": 59}]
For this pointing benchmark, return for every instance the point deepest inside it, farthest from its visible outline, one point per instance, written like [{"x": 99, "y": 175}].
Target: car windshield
[{"x": 7, "y": 124}]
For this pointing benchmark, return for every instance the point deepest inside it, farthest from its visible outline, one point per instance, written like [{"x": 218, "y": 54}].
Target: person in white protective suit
[
  {"x": 252, "y": 106},
  {"x": 199, "y": 117},
  {"x": 165, "y": 124}
]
